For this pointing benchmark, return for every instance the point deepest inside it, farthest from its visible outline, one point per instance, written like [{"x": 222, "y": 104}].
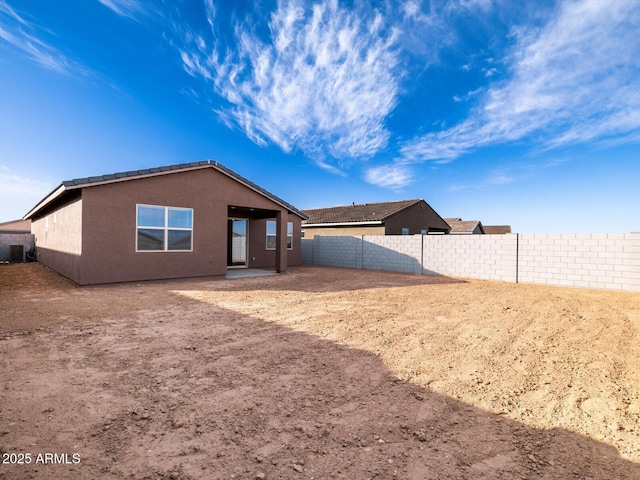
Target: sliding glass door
[{"x": 237, "y": 242}]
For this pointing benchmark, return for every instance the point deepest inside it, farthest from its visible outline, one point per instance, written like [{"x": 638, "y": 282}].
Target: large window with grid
[{"x": 163, "y": 229}]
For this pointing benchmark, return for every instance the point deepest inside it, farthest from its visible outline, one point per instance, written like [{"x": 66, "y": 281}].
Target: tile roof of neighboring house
[
  {"x": 497, "y": 229},
  {"x": 464, "y": 226},
  {"x": 149, "y": 172},
  {"x": 366, "y": 212}
]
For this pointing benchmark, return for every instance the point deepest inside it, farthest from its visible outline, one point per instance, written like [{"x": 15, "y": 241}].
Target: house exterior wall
[
  {"x": 259, "y": 256},
  {"x": 417, "y": 217},
  {"x": 310, "y": 232},
  {"x": 58, "y": 239},
  {"x": 109, "y": 221}
]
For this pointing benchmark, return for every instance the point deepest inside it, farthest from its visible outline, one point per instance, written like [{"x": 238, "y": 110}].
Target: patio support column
[{"x": 281, "y": 241}]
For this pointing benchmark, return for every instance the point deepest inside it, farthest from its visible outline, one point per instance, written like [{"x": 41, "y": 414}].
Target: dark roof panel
[
  {"x": 367, "y": 212},
  {"x": 121, "y": 176}
]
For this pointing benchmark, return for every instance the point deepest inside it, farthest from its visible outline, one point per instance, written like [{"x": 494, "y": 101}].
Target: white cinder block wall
[
  {"x": 307, "y": 252},
  {"x": 609, "y": 260},
  {"x": 491, "y": 257},
  {"x": 394, "y": 253},
  {"x": 334, "y": 251},
  {"x": 605, "y": 261}
]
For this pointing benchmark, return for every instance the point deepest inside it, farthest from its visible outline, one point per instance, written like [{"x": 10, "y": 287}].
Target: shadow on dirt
[{"x": 332, "y": 279}]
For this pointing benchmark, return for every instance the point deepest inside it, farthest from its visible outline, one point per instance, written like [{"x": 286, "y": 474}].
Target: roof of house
[
  {"x": 16, "y": 226},
  {"x": 497, "y": 229},
  {"x": 78, "y": 183},
  {"x": 464, "y": 226},
  {"x": 357, "y": 213}
]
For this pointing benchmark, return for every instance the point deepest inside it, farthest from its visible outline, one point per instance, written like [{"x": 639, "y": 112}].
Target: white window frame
[
  {"x": 288, "y": 236},
  {"x": 165, "y": 228},
  {"x": 266, "y": 231}
]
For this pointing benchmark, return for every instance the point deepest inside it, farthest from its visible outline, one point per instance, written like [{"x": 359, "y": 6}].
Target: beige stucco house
[{"x": 404, "y": 217}]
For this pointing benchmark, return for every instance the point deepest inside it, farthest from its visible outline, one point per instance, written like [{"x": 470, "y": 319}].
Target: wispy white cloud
[
  {"x": 323, "y": 82},
  {"x": 499, "y": 177},
  {"x": 490, "y": 72},
  {"x": 323, "y": 79},
  {"x": 573, "y": 81},
  {"x": 492, "y": 179},
  {"x": 16, "y": 185},
  {"x": 511, "y": 172},
  {"x": 19, "y": 193},
  {"x": 468, "y": 96},
  {"x": 25, "y": 36},
  {"x": 411, "y": 8},
  {"x": 393, "y": 176},
  {"x": 125, "y": 8}
]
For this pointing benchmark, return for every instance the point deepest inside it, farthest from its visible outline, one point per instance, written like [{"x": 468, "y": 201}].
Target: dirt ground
[{"x": 318, "y": 373}]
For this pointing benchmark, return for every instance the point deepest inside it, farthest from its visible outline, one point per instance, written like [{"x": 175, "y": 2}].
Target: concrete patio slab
[{"x": 248, "y": 272}]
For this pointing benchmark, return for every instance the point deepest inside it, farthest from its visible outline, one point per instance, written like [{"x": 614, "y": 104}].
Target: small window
[
  {"x": 423, "y": 232},
  {"x": 271, "y": 235},
  {"x": 405, "y": 231},
  {"x": 162, "y": 229}
]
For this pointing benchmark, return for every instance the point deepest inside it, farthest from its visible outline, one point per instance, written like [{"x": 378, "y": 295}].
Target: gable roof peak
[{"x": 79, "y": 183}]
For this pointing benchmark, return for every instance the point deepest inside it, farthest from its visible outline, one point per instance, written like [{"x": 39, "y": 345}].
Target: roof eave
[
  {"x": 249, "y": 184},
  {"x": 400, "y": 209},
  {"x": 343, "y": 224},
  {"x": 125, "y": 176},
  {"x": 45, "y": 201},
  {"x": 153, "y": 172}
]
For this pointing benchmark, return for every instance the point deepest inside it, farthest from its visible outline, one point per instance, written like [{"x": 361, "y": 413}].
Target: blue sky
[{"x": 520, "y": 113}]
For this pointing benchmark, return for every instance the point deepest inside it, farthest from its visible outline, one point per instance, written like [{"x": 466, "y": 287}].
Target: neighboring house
[
  {"x": 406, "y": 217},
  {"x": 188, "y": 220},
  {"x": 16, "y": 226},
  {"x": 465, "y": 227},
  {"x": 497, "y": 229},
  {"x": 16, "y": 241}
]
